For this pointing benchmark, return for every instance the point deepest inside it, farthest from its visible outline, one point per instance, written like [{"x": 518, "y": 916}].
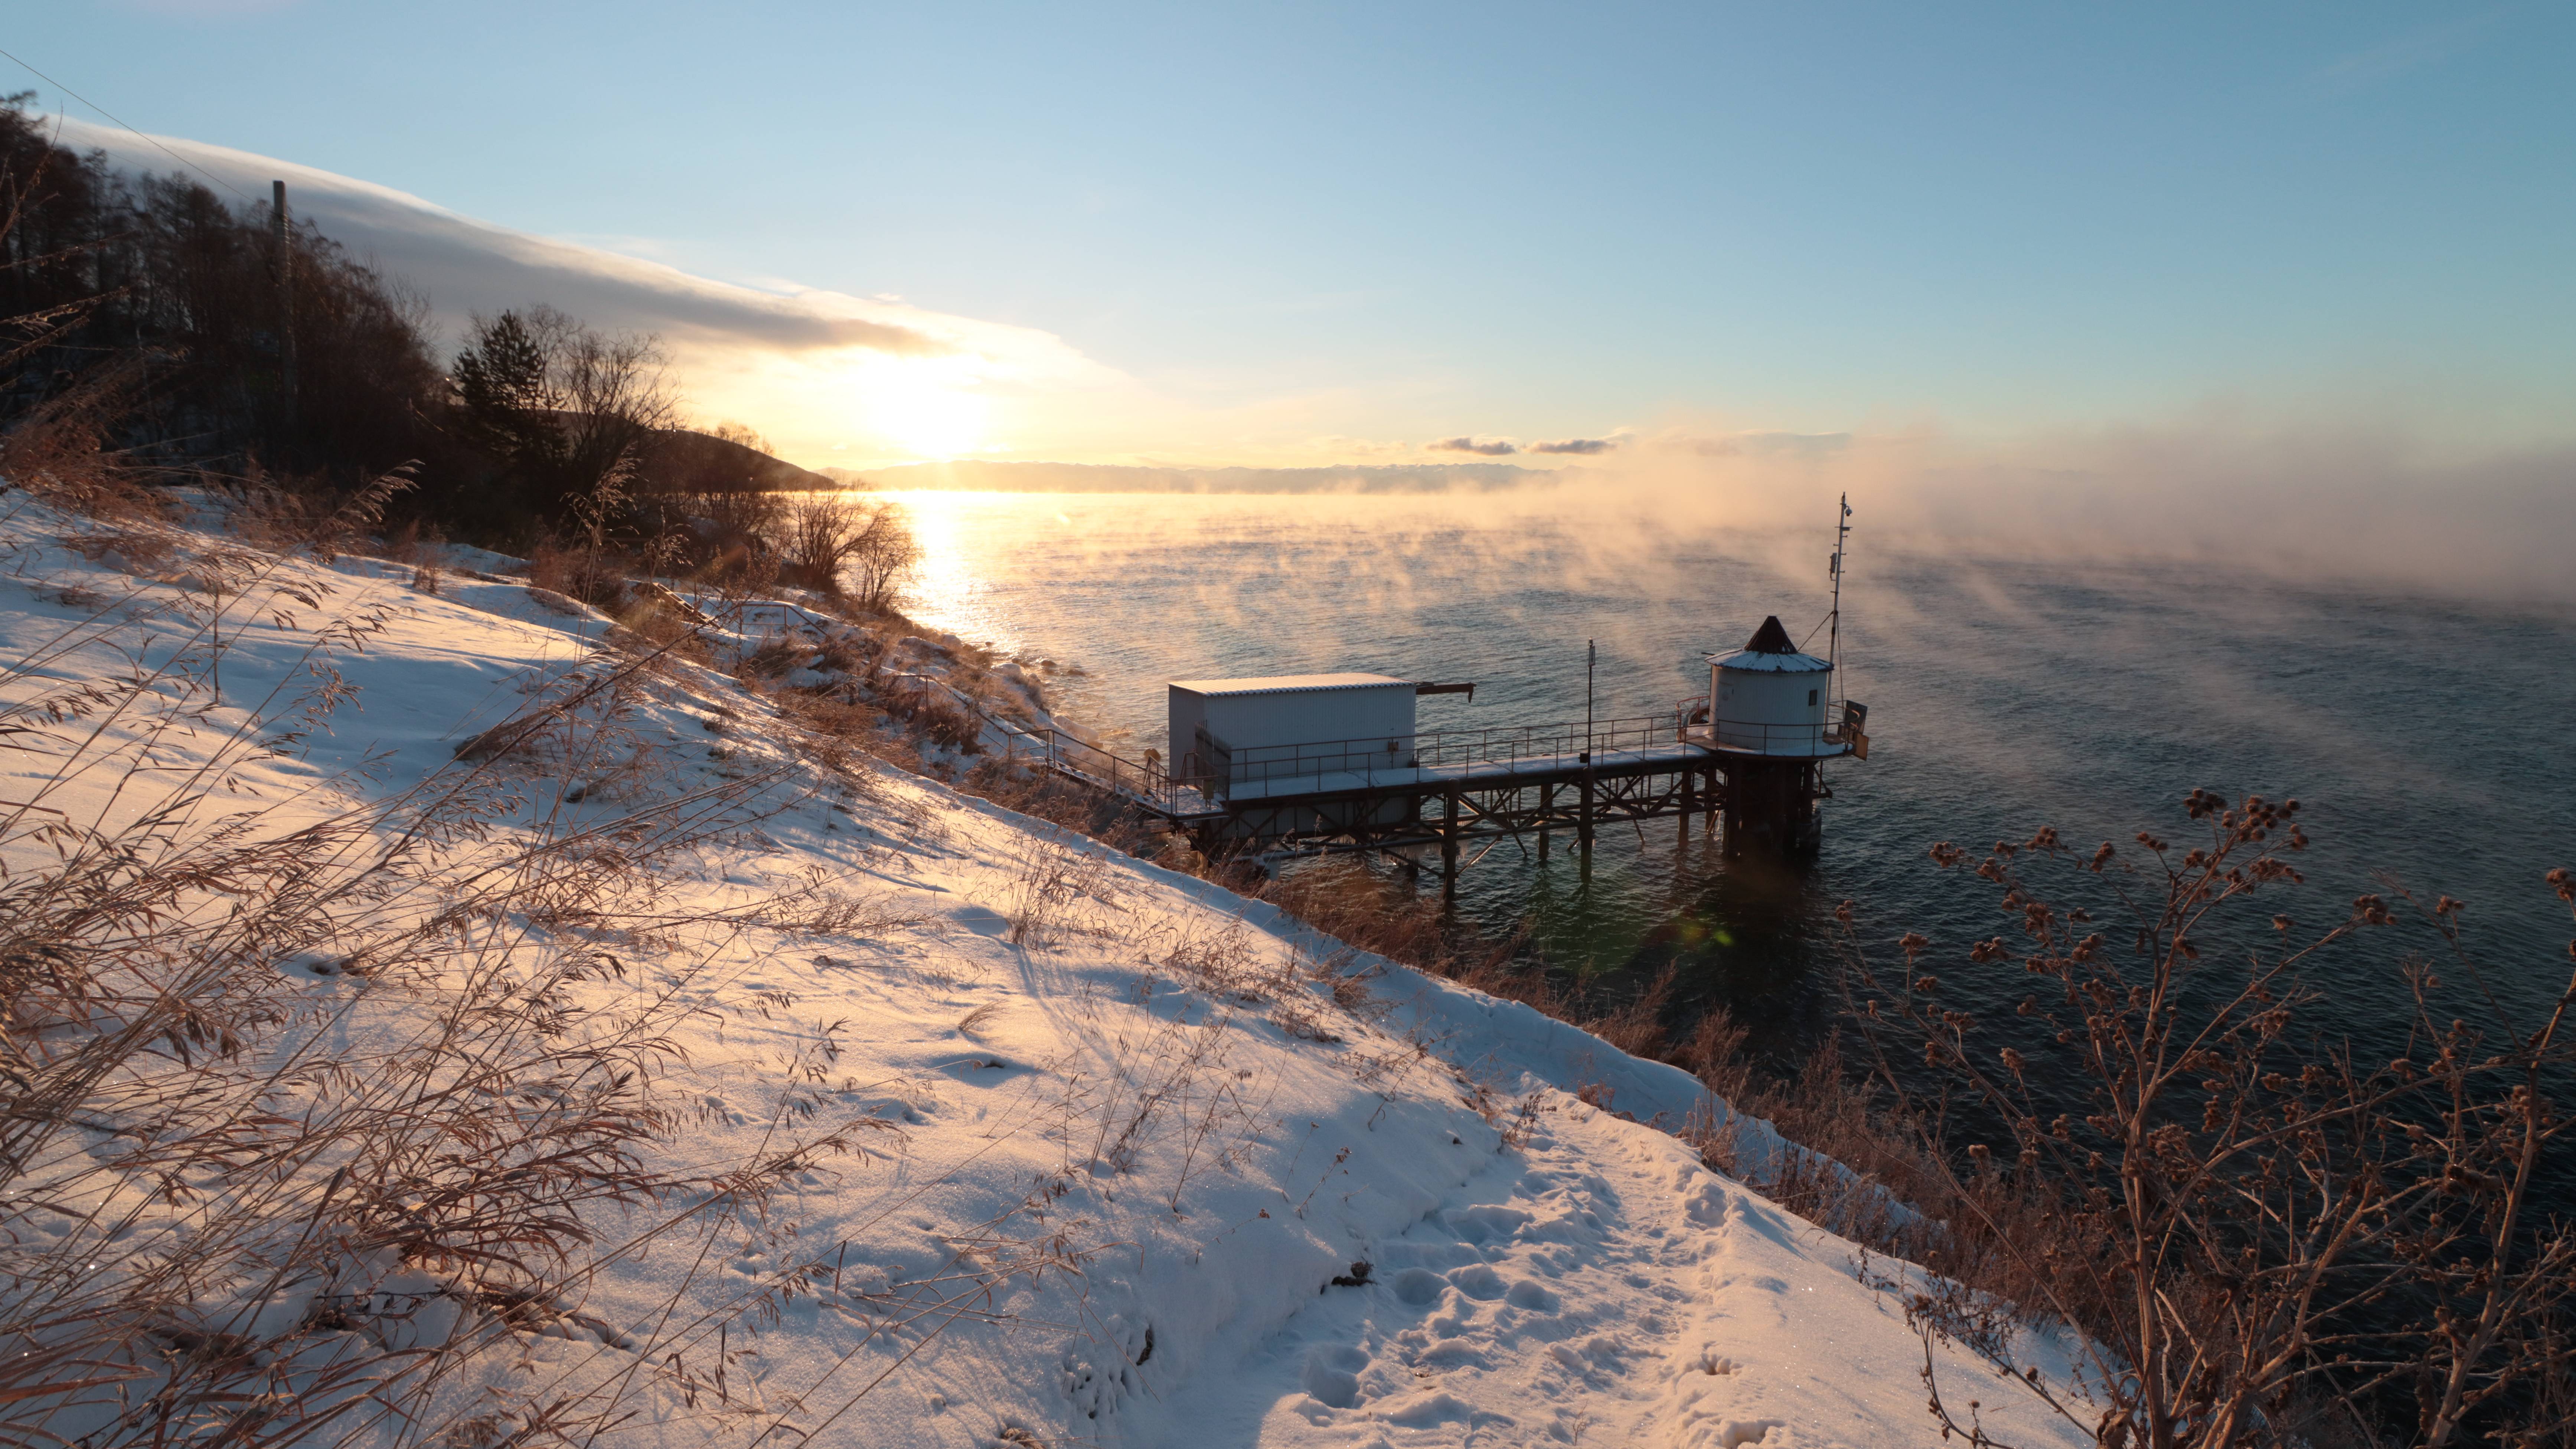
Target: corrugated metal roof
[{"x": 1288, "y": 683}]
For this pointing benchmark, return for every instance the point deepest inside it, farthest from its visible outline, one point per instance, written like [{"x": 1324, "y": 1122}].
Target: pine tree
[{"x": 509, "y": 405}]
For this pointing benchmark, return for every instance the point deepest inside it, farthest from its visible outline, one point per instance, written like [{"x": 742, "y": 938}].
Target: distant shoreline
[{"x": 973, "y": 476}]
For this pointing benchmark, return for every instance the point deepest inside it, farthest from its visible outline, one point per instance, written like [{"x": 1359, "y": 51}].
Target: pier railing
[
  {"x": 1431, "y": 753},
  {"x": 1200, "y": 786},
  {"x": 1146, "y": 780}
]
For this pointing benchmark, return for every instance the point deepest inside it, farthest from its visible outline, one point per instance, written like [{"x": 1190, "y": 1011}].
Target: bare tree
[
  {"x": 885, "y": 556},
  {"x": 568, "y": 407},
  {"x": 742, "y": 433},
  {"x": 862, "y": 551}
]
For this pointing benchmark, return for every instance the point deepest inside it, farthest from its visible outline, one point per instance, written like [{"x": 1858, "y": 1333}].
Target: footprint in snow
[{"x": 1496, "y": 1307}]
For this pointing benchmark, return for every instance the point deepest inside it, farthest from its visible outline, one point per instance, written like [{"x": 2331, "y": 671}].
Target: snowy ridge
[{"x": 1156, "y": 1129}]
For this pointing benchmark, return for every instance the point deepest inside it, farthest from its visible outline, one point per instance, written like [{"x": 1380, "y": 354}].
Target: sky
[{"x": 1293, "y": 235}]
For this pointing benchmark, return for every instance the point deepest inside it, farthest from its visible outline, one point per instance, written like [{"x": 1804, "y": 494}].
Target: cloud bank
[
  {"x": 1485, "y": 447},
  {"x": 463, "y": 265},
  {"x": 733, "y": 343},
  {"x": 2350, "y": 502},
  {"x": 1580, "y": 447}
]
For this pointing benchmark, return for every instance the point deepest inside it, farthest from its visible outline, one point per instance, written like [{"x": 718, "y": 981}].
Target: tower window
[{"x": 1811, "y": 696}]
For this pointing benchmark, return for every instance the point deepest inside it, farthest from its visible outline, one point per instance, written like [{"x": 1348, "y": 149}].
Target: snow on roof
[
  {"x": 1288, "y": 683},
  {"x": 1756, "y": 662}
]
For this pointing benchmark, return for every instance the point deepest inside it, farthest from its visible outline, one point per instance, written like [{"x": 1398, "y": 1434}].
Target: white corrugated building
[{"x": 1336, "y": 721}]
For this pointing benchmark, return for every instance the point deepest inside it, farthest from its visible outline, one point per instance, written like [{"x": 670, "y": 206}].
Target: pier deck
[{"x": 1451, "y": 788}]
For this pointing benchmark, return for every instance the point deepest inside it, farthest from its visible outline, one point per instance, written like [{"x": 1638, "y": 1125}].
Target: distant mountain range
[{"x": 972, "y": 476}]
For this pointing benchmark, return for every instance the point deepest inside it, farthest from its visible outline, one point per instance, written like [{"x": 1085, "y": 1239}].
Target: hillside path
[{"x": 1597, "y": 1287}]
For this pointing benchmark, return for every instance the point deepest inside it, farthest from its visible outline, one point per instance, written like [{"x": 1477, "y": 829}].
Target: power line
[{"x": 154, "y": 143}]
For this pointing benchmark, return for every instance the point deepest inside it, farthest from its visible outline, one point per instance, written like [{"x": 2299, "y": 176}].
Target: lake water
[{"x": 2427, "y": 738}]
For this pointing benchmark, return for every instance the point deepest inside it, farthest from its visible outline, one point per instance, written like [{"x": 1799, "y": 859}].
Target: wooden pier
[{"x": 1455, "y": 788}]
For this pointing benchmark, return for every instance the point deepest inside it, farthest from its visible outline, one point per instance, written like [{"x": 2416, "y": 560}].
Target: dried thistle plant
[{"x": 2256, "y": 1230}]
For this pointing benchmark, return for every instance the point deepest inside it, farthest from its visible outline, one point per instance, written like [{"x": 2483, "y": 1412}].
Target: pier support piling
[{"x": 1449, "y": 844}]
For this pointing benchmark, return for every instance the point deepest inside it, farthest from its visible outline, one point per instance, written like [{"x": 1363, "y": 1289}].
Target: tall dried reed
[{"x": 319, "y": 1103}]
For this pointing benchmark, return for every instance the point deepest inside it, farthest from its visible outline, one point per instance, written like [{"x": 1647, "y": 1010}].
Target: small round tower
[
  {"x": 1769, "y": 699},
  {"x": 1771, "y": 725}
]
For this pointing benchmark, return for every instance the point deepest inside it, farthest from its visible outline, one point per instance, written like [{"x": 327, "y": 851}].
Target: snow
[
  {"x": 1287, "y": 683},
  {"x": 1197, "y": 1113},
  {"x": 1753, "y": 661}
]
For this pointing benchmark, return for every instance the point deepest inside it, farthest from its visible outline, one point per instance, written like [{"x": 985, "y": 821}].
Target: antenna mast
[{"x": 1834, "y": 641}]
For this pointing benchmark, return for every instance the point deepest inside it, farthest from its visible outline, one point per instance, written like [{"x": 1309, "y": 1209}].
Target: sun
[
  {"x": 928, "y": 416},
  {"x": 864, "y": 405}
]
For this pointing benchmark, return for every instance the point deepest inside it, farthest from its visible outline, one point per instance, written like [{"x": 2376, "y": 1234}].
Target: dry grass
[
  {"x": 1062, "y": 803},
  {"x": 300, "y": 515},
  {"x": 346, "y": 1095},
  {"x": 1058, "y": 891},
  {"x": 59, "y": 449}
]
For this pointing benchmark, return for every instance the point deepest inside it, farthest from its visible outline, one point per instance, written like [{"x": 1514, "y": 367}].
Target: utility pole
[
  {"x": 1583, "y": 822},
  {"x": 1834, "y": 640},
  {"x": 285, "y": 234}
]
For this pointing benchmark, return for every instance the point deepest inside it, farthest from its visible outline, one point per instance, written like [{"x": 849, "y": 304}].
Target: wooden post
[
  {"x": 285, "y": 297},
  {"x": 1583, "y": 822},
  {"x": 1546, "y": 803},
  {"x": 1448, "y": 843},
  {"x": 1689, "y": 784}
]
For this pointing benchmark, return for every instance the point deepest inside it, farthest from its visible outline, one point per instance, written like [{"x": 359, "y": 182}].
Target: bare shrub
[
  {"x": 882, "y": 559},
  {"x": 774, "y": 657},
  {"x": 2261, "y": 1227},
  {"x": 936, "y": 716},
  {"x": 596, "y": 577},
  {"x": 1063, "y": 803},
  {"x": 1637, "y": 1026},
  {"x": 1342, "y": 898},
  {"x": 59, "y": 449},
  {"x": 728, "y": 536}
]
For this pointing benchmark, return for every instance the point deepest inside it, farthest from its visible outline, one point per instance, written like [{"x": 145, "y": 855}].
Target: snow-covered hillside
[{"x": 1123, "y": 1159}]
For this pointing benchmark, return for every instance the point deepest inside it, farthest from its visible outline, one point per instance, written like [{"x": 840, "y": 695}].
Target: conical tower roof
[
  {"x": 1770, "y": 651},
  {"x": 1770, "y": 638}
]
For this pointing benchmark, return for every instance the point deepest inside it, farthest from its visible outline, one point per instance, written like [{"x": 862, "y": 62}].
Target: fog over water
[{"x": 2425, "y": 736}]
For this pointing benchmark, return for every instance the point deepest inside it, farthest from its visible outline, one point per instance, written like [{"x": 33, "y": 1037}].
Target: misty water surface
[{"x": 2424, "y": 737}]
